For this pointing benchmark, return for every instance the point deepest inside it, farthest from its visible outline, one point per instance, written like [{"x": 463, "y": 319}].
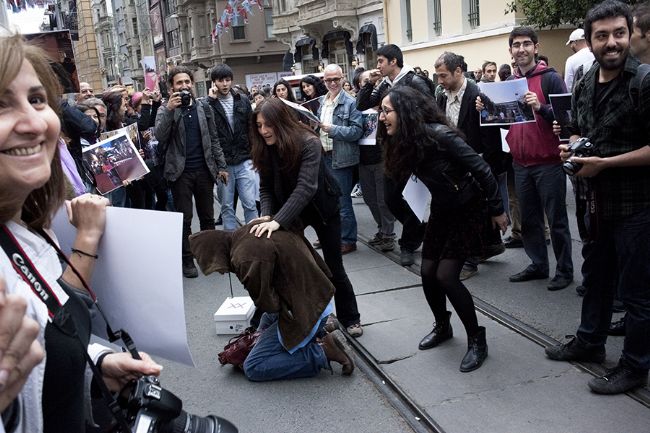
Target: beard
[{"x": 612, "y": 63}]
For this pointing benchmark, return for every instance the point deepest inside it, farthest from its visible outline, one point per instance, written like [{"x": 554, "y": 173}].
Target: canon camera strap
[{"x": 28, "y": 272}]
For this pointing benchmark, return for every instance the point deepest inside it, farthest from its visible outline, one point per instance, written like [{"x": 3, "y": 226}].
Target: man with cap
[{"x": 583, "y": 58}]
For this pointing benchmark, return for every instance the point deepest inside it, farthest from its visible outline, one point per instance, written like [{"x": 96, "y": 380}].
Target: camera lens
[{"x": 188, "y": 423}]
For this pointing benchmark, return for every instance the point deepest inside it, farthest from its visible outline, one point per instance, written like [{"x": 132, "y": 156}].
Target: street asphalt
[{"x": 516, "y": 390}]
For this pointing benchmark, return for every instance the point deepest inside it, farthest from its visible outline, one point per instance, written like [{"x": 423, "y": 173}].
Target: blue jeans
[
  {"x": 344, "y": 177},
  {"x": 269, "y": 360},
  {"x": 616, "y": 261},
  {"x": 541, "y": 189},
  {"x": 240, "y": 176}
]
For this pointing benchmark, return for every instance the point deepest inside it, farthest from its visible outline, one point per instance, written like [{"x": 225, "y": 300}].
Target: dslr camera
[
  {"x": 581, "y": 148},
  {"x": 152, "y": 409},
  {"x": 186, "y": 98}
]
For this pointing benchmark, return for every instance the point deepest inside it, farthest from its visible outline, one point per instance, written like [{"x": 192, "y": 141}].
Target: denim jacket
[{"x": 347, "y": 129}]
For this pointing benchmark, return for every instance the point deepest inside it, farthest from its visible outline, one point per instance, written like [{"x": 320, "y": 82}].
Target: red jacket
[{"x": 534, "y": 143}]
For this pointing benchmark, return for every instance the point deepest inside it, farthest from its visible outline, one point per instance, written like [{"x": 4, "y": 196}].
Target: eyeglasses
[
  {"x": 385, "y": 111},
  {"x": 333, "y": 80},
  {"x": 527, "y": 44}
]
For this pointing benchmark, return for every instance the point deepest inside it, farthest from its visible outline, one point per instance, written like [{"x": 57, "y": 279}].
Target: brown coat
[{"x": 282, "y": 274}]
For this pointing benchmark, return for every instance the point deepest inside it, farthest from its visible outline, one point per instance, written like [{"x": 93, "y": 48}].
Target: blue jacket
[{"x": 347, "y": 129}]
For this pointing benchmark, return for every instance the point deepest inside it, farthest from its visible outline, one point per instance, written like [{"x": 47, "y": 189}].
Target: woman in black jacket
[
  {"x": 465, "y": 197},
  {"x": 297, "y": 190}
]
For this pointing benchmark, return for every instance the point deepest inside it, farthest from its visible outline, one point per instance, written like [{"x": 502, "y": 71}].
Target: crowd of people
[{"x": 289, "y": 173}]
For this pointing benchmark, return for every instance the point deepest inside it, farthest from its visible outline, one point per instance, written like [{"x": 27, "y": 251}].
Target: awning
[
  {"x": 332, "y": 36},
  {"x": 372, "y": 31},
  {"x": 306, "y": 41},
  {"x": 287, "y": 61}
]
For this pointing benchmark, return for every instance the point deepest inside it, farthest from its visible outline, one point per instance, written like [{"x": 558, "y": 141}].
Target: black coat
[
  {"x": 442, "y": 164},
  {"x": 370, "y": 96},
  {"x": 234, "y": 141}
]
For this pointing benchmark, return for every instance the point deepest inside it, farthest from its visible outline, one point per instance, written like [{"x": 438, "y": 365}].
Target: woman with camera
[
  {"x": 32, "y": 189},
  {"x": 465, "y": 197}
]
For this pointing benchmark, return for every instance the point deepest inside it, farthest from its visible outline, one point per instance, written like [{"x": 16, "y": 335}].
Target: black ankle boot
[
  {"x": 477, "y": 351},
  {"x": 441, "y": 331}
]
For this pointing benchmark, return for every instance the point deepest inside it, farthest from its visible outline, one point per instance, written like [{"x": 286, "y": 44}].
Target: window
[
  {"x": 437, "y": 18},
  {"x": 173, "y": 39},
  {"x": 134, "y": 23},
  {"x": 238, "y": 29},
  {"x": 409, "y": 27},
  {"x": 473, "y": 16},
  {"x": 268, "y": 19},
  {"x": 170, "y": 7}
]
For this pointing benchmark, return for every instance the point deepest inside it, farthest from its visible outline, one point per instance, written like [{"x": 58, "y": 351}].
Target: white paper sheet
[
  {"x": 504, "y": 143},
  {"x": 504, "y": 103},
  {"x": 138, "y": 279},
  {"x": 417, "y": 196}
]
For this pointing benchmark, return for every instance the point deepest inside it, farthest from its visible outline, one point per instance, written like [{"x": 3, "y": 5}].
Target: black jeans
[
  {"x": 616, "y": 261},
  {"x": 198, "y": 184},
  {"x": 329, "y": 235},
  {"x": 412, "y": 227}
]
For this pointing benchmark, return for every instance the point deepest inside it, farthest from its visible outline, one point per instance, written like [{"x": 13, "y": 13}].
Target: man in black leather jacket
[{"x": 393, "y": 72}]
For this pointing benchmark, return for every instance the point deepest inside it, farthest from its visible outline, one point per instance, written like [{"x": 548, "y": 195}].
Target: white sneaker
[{"x": 356, "y": 192}]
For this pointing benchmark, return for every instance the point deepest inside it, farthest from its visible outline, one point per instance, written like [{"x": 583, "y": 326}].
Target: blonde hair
[{"x": 39, "y": 207}]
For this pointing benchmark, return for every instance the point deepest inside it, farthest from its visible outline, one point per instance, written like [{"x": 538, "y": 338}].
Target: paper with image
[
  {"x": 504, "y": 103},
  {"x": 114, "y": 161},
  {"x": 370, "y": 121},
  {"x": 138, "y": 278}
]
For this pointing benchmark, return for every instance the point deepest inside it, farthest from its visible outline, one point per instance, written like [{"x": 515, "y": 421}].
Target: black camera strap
[{"x": 28, "y": 272}]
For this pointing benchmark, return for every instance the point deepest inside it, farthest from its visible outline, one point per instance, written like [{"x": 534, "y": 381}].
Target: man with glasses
[
  {"x": 340, "y": 129},
  {"x": 540, "y": 182}
]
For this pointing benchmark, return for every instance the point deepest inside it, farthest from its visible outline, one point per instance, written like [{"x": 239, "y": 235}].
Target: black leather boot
[
  {"x": 477, "y": 351},
  {"x": 441, "y": 331}
]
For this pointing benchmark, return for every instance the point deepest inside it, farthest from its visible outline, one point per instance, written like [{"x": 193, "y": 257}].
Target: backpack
[
  {"x": 634, "y": 90},
  {"x": 408, "y": 78}
]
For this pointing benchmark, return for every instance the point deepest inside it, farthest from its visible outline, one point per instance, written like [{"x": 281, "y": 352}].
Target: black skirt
[{"x": 457, "y": 233}]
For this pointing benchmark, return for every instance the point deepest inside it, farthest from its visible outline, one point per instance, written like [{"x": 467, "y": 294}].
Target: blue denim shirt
[{"x": 347, "y": 129}]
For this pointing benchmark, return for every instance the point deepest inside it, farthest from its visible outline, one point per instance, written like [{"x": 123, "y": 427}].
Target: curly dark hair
[
  {"x": 414, "y": 111},
  {"x": 318, "y": 84},
  {"x": 290, "y": 95},
  {"x": 289, "y": 131},
  {"x": 113, "y": 101}
]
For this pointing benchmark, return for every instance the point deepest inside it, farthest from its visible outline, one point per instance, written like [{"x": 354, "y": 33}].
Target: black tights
[{"x": 442, "y": 278}]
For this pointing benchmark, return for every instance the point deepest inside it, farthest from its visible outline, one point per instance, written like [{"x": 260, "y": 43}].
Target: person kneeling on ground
[{"x": 290, "y": 283}]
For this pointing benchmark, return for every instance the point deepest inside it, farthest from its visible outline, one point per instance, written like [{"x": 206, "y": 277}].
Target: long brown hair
[
  {"x": 39, "y": 207},
  {"x": 289, "y": 132}
]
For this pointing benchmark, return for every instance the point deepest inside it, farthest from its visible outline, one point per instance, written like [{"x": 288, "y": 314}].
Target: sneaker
[
  {"x": 573, "y": 350},
  {"x": 355, "y": 330},
  {"x": 387, "y": 244},
  {"x": 356, "y": 192},
  {"x": 617, "y": 328},
  {"x": 337, "y": 349},
  {"x": 618, "y": 380},
  {"x": 317, "y": 245},
  {"x": 468, "y": 271},
  {"x": 376, "y": 239},
  {"x": 190, "y": 271},
  {"x": 406, "y": 257}
]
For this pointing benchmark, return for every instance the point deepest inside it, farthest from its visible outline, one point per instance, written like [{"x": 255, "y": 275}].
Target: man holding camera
[
  {"x": 193, "y": 158},
  {"x": 610, "y": 107}
]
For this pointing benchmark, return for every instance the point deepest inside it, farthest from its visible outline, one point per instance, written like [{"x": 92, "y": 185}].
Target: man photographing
[
  {"x": 610, "y": 108},
  {"x": 193, "y": 158}
]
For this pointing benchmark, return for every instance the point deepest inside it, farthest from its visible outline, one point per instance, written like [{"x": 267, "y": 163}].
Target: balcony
[
  {"x": 201, "y": 53},
  {"x": 311, "y": 11}
]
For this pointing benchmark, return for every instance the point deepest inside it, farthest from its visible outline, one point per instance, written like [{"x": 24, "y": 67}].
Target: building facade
[
  {"x": 106, "y": 45},
  {"x": 248, "y": 46},
  {"x": 319, "y": 32},
  {"x": 476, "y": 29}
]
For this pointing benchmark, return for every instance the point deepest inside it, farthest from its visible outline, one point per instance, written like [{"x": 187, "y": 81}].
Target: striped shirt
[{"x": 228, "y": 103}]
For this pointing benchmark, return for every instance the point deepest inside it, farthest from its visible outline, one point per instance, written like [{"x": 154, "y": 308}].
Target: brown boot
[{"x": 336, "y": 349}]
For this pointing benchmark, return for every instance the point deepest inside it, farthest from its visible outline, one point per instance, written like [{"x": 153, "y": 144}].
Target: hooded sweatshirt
[{"x": 534, "y": 143}]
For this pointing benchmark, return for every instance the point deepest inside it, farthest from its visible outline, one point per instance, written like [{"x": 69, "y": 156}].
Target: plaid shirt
[{"x": 615, "y": 126}]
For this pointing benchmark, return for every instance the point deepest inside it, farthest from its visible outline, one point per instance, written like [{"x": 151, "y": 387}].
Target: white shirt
[
  {"x": 326, "y": 114},
  {"x": 454, "y": 100},
  {"x": 584, "y": 58}
]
